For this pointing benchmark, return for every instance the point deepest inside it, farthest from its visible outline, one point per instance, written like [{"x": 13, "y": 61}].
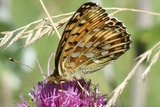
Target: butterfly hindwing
[{"x": 91, "y": 40}]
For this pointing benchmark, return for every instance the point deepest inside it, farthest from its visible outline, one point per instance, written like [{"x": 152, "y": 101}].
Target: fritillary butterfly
[{"x": 90, "y": 41}]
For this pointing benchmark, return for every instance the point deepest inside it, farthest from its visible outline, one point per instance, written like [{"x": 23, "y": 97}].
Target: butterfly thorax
[{"x": 56, "y": 78}]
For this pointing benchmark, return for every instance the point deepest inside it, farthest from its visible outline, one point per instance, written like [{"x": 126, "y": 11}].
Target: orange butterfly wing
[{"x": 90, "y": 41}]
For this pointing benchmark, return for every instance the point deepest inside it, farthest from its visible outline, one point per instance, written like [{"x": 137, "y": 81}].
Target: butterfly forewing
[{"x": 90, "y": 41}]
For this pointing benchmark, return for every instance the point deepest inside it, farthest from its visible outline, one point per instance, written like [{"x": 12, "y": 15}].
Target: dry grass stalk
[
  {"x": 141, "y": 58},
  {"x": 41, "y": 28}
]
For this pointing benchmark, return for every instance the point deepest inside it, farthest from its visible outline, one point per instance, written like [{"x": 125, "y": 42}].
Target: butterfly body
[{"x": 90, "y": 41}]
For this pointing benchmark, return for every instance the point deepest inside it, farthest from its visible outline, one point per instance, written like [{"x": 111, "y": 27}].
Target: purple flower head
[{"x": 68, "y": 94}]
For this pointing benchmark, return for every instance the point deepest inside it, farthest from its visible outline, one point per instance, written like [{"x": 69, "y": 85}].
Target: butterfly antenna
[{"x": 13, "y": 60}]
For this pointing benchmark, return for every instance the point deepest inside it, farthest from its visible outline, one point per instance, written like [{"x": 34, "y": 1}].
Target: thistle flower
[{"x": 68, "y": 94}]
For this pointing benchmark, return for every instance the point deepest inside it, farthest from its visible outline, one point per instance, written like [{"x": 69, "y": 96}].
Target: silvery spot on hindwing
[{"x": 91, "y": 40}]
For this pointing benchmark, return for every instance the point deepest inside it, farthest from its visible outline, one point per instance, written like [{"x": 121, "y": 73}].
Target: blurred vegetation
[{"x": 24, "y": 12}]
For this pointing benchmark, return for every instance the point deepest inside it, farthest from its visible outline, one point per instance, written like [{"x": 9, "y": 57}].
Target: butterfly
[{"x": 90, "y": 41}]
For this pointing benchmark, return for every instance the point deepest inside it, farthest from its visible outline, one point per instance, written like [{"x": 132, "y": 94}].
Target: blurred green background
[{"x": 16, "y": 79}]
